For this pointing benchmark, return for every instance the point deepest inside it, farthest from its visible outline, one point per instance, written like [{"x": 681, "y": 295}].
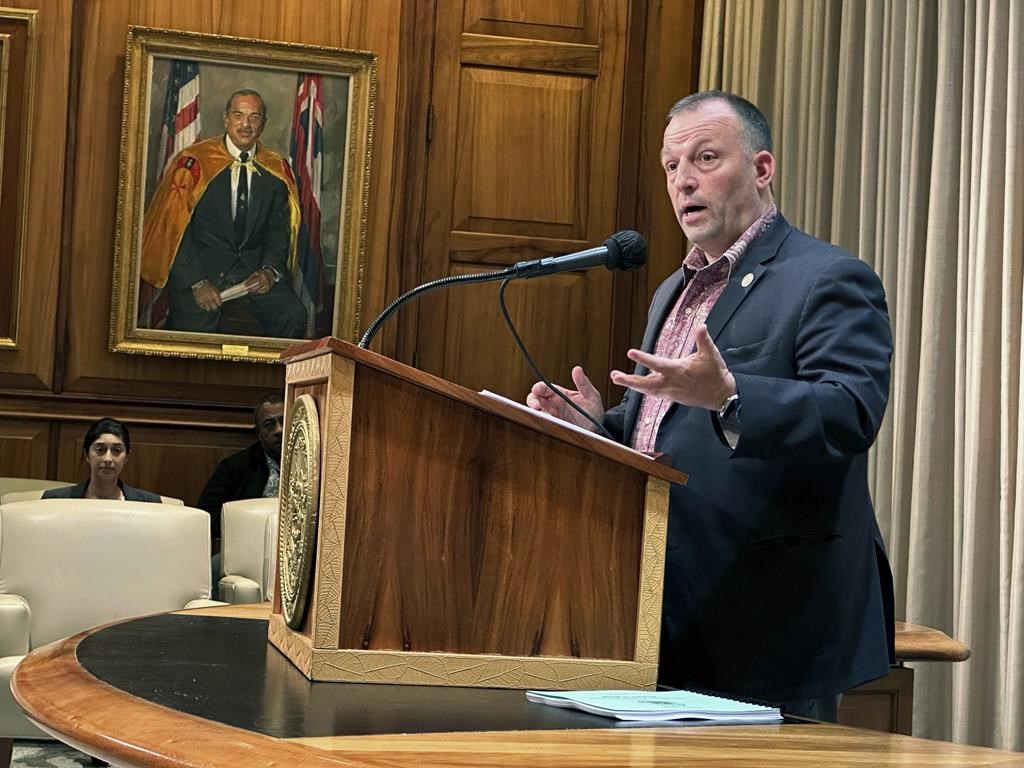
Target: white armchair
[
  {"x": 16, "y": 485},
  {"x": 246, "y": 539},
  {"x": 70, "y": 564},
  {"x": 34, "y": 495},
  {"x": 270, "y": 557}
]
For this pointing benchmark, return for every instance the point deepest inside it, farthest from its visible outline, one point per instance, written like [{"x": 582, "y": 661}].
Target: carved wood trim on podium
[{"x": 463, "y": 541}]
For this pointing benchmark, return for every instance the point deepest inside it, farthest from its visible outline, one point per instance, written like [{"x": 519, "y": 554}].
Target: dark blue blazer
[
  {"x": 241, "y": 475},
  {"x": 776, "y": 583},
  {"x": 78, "y": 492}
]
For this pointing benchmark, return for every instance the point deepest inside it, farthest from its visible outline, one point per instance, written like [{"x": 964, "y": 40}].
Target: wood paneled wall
[{"x": 543, "y": 122}]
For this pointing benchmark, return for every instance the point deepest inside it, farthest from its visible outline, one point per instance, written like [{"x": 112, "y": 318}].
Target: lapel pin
[{"x": 747, "y": 279}]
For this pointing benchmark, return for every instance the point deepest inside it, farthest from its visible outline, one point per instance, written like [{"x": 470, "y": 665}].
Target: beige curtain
[{"x": 899, "y": 130}]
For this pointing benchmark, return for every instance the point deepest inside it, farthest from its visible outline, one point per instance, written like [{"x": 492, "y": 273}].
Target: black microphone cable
[
  {"x": 433, "y": 285},
  {"x": 536, "y": 370}
]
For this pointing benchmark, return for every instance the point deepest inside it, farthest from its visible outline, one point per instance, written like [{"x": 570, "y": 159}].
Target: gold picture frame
[
  {"x": 18, "y": 46},
  {"x": 291, "y": 248}
]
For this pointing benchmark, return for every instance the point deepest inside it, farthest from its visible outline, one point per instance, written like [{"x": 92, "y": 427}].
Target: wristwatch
[{"x": 730, "y": 410}]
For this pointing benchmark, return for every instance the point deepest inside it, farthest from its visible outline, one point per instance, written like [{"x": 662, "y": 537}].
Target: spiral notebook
[{"x": 651, "y": 706}]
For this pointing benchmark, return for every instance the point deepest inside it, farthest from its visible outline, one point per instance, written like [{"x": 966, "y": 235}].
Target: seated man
[{"x": 252, "y": 472}]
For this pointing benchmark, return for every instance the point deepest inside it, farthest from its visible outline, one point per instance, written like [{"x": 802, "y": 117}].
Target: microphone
[{"x": 624, "y": 250}]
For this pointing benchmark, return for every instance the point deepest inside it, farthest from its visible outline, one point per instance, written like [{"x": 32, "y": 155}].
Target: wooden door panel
[
  {"x": 571, "y": 21},
  {"x": 502, "y": 114},
  {"x": 539, "y": 55},
  {"x": 23, "y": 448},
  {"x": 487, "y": 357}
]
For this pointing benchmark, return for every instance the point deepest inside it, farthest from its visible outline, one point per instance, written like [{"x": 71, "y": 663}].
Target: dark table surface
[{"x": 224, "y": 670}]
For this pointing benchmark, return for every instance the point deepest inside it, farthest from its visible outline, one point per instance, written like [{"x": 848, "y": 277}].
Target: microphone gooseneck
[
  {"x": 419, "y": 290},
  {"x": 624, "y": 250}
]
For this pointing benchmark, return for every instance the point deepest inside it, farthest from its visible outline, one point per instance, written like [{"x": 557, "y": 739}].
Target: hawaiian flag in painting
[
  {"x": 180, "y": 128},
  {"x": 307, "y": 160}
]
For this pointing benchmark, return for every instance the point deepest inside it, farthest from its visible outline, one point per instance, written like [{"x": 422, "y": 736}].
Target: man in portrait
[{"x": 223, "y": 226}]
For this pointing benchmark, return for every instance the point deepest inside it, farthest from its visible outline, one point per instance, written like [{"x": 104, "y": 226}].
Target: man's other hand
[
  {"x": 260, "y": 281},
  {"x": 586, "y": 396},
  {"x": 206, "y": 296}
]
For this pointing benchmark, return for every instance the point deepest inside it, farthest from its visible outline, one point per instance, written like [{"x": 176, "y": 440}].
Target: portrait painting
[{"x": 242, "y": 195}]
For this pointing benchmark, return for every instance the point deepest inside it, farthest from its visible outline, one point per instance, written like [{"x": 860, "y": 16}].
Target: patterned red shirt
[{"x": 705, "y": 282}]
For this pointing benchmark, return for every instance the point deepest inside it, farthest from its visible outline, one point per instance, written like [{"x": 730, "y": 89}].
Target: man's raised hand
[{"x": 700, "y": 379}]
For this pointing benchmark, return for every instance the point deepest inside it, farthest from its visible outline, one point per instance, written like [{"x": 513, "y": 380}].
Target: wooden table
[
  {"x": 887, "y": 704},
  {"x": 265, "y": 713}
]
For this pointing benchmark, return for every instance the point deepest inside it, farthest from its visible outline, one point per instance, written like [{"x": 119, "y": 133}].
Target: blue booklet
[{"x": 660, "y": 705}]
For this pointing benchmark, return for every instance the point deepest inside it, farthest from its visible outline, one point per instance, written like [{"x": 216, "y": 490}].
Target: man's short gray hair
[
  {"x": 247, "y": 92},
  {"x": 756, "y": 133}
]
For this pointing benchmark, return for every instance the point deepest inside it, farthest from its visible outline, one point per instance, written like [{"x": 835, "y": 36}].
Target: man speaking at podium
[{"x": 764, "y": 374}]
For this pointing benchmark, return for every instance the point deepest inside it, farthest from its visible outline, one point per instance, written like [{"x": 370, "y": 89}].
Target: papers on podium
[
  {"x": 549, "y": 417},
  {"x": 652, "y": 706}
]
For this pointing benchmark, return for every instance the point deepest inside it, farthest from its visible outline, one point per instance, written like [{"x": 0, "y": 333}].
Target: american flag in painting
[
  {"x": 181, "y": 126},
  {"x": 307, "y": 160}
]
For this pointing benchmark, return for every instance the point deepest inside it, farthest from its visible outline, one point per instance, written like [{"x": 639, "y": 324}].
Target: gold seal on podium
[{"x": 300, "y": 497}]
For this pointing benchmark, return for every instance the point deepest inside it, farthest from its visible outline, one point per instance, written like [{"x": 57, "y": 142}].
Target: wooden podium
[{"x": 464, "y": 541}]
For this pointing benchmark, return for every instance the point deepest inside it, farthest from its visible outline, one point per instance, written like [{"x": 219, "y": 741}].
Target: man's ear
[{"x": 764, "y": 169}]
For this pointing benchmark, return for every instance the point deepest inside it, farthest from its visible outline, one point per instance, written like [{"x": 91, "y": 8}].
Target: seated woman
[{"x": 105, "y": 452}]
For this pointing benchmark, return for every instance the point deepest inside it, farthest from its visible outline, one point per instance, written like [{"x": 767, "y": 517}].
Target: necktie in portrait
[{"x": 241, "y": 198}]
